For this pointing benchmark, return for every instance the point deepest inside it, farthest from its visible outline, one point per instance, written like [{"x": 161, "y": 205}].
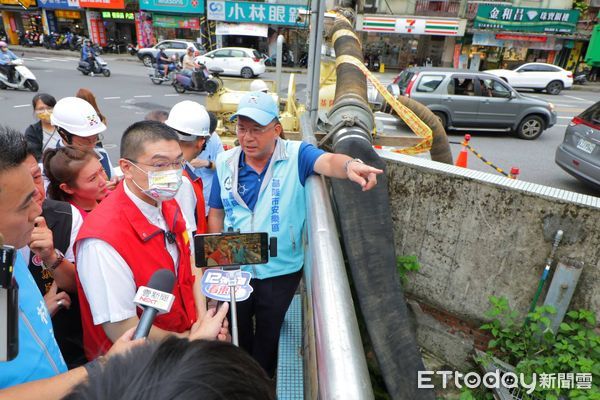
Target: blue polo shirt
[{"x": 249, "y": 180}]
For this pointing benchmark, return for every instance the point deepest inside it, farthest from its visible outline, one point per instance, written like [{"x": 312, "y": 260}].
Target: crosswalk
[{"x": 51, "y": 59}]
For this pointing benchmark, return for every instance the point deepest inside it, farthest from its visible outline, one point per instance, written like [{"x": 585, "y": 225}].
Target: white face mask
[{"x": 162, "y": 185}]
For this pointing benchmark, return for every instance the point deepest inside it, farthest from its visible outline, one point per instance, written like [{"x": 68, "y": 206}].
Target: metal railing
[{"x": 335, "y": 363}]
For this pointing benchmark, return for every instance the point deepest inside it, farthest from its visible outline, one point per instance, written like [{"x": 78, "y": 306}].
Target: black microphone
[
  {"x": 9, "y": 304},
  {"x": 154, "y": 298}
]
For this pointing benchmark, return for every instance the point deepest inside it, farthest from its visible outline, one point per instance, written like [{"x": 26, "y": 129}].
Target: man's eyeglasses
[
  {"x": 242, "y": 130},
  {"x": 163, "y": 165}
]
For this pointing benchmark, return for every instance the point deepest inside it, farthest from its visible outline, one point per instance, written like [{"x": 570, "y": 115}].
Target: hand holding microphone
[{"x": 154, "y": 299}]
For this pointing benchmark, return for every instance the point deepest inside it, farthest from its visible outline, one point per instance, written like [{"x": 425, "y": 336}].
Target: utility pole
[{"x": 317, "y": 18}]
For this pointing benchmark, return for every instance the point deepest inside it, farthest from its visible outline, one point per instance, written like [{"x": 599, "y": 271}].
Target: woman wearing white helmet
[{"x": 80, "y": 126}]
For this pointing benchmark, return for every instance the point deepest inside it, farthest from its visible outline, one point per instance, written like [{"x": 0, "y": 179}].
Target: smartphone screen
[{"x": 226, "y": 249}]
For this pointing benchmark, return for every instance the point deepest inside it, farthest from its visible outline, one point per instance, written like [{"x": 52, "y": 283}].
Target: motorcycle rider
[
  {"x": 6, "y": 59},
  {"x": 163, "y": 60},
  {"x": 88, "y": 55}
]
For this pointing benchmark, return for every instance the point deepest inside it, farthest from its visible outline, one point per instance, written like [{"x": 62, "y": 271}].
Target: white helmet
[
  {"x": 258, "y": 85},
  {"x": 190, "y": 120},
  {"x": 77, "y": 117}
]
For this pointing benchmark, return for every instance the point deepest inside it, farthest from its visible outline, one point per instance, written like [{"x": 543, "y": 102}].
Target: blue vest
[
  {"x": 280, "y": 209},
  {"x": 39, "y": 356}
]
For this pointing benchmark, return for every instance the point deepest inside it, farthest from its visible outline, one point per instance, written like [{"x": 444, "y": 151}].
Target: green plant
[
  {"x": 580, "y": 5},
  {"x": 406, "y": 264},
  {"x": 533, "y": 348}
]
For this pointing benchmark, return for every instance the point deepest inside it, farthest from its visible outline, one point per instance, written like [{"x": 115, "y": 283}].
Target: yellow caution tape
[
  {"x": 408, "y": 116},
  {"x": 343, "y": 32}
]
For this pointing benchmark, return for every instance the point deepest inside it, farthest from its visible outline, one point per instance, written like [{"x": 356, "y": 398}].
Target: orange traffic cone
[{"x": 461, "y": 161}]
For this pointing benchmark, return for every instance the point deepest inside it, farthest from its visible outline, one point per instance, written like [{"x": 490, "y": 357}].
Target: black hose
[{"x": 366, "y": 226}]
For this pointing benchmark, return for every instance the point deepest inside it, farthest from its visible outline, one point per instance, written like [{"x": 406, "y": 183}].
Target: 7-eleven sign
[{"x": 410, "y": 25}]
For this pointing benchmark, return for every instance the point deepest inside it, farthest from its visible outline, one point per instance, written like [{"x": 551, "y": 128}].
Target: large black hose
[
  {"x": 440, "y": 148},
  {"x": 366, "y": 226}
]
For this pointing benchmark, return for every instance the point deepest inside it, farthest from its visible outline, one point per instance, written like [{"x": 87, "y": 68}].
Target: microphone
[{"x": 156, "y": 298}]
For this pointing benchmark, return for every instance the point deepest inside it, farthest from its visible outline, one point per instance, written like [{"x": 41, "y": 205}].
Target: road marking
[
  {"x": 564, "y": 117},
  {"x": 171, "y": 95},
  {"x": 118, "y": 97},
  {"x": 143, "y": 95},
  {"x": 561, "y": 126},
  {"x": 22, "y": 105},
  {"x": 578, "y": 98}
]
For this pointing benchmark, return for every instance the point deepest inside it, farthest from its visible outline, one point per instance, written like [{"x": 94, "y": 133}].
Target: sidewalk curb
[
  {"x": 43, "y": 51},
  {"x": 590, "y": 87}
]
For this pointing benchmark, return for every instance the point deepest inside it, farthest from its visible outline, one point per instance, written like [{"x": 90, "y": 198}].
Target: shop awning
[{"x": 571, "y": 36}]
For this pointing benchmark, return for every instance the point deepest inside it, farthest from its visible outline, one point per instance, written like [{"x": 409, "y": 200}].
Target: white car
[
  {"x": 241, "y": 61},
  {"x": 536, "y": 76}
]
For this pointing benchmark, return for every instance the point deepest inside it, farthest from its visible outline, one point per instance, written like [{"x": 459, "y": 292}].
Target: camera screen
[{"x": 226, "y": 249}]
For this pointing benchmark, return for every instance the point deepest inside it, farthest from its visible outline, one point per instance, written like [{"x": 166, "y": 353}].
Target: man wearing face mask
[
  {"x": 192, "y": 123},
  {"x": 80, "y": 126},
  {"x": 135, "y": 231}
]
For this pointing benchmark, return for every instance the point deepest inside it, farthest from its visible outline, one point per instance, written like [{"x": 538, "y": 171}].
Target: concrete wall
[{"x": 477, "y": 235}]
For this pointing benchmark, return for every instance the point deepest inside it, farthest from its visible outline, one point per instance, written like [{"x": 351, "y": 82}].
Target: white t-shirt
[{"x": 106, "y": 278}]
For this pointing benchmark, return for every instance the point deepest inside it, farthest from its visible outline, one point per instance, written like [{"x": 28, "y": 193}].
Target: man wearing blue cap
[{"x": 259, "y": 187}]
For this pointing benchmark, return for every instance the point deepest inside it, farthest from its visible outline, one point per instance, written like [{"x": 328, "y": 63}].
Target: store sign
[
  {"x": 64, "y": 14},
  {"x": 257, "y": 13},
  {"x": 242, "y": 29},
  {"x": 175, "y": 6},
  {"x": 110, "y": 4},
  {"x": 517, "y": 41},
  {"x": 414, "y": 26},
  {"x": 508, "y": 36},
  {"x": 60, "y": 4},
  {"x": 173, "y": 21},
  {"x": 117, "y": 15},
  {"x": 97, "y": 29},
  {"x": 526, "y": 19},
  {"x": 20, "y": 3}
]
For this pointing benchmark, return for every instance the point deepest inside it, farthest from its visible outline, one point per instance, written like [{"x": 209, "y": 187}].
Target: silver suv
[
  {"x": 176, "y": 47},
  {"x": 475, "y": 101}
]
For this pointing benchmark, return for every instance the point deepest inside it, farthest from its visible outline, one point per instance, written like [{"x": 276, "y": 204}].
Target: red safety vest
[
  {"x": 120, "y": 223},
  {"x": 201, "y": 224}
]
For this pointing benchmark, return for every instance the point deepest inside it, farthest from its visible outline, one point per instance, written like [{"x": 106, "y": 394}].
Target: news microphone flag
[{"x": 154, "y": 299}]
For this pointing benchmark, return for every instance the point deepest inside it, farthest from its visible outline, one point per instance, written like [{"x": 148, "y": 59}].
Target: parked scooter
[
  {"x": 132, "y": 49},
  {"x": 198, "y": 81},
  {"x": 99, "y": 67},
  {"x": 581, "y": 77},
  {"x": 23, "y": 79}
]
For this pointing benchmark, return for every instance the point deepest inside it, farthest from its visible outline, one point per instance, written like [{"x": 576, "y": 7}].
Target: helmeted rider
[
  {"x": 79, "y": 125},
  {"x": 6, "y": 59},
  {"x": 163, "y": 60},
  {"x": 88, "y": 55}
]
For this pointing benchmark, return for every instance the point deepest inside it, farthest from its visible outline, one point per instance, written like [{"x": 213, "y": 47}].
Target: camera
[{"x": 9, "y": 305}]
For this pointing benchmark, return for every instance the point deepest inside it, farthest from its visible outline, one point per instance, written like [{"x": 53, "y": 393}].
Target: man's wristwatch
[
  {"x": 59, "y": 259},
  {"x": 358, "y": 160},
  {"x": 210, "y": 165}
]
